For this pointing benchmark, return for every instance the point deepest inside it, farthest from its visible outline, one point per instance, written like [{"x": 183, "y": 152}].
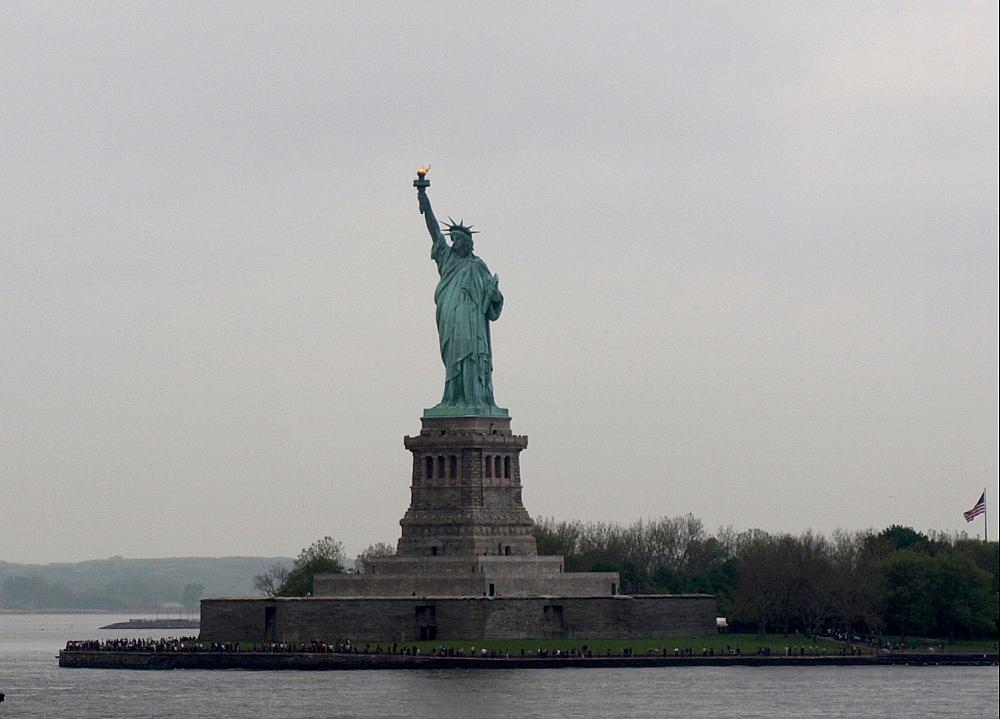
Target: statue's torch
[{"x": 422, "y": 183}]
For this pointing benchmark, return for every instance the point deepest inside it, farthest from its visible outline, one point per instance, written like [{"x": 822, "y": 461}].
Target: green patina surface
[{"x": 468, "y": 298}]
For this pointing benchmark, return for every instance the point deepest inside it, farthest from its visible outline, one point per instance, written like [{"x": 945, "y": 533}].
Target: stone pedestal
[
  {"x": 466, "y": 533},
  {"x": 481, "y": 576},
  {"x": 467, "y": 566},
  {"x": 465, "y": 493}
]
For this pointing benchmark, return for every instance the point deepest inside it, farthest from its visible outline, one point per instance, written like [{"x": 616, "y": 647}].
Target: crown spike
[{"x": 460, "y": 226}]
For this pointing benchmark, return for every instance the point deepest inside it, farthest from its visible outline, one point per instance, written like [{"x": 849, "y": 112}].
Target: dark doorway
[
  {"x": 269, "y": 618},
  {"x": 426, "y": 621},
  {"x": 553, "y": 624}
]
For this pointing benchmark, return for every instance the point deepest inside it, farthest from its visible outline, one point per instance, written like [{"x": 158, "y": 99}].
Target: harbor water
[{"x": 36, "y": 687}]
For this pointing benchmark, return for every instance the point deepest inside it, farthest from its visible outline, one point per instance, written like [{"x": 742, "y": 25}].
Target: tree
[
  {"x": 986, "y": 555},
  {"x": 785, "y": 581},
  {"x": 896, "y": 537},
  {"x": 961, "y": 597},
  {"x": 560, "y": 538},
  {"x": 270, "y": 580},
  {"x": 854, "y": 582},
  {"x": 814, "y": 582},
  {"x": 374, "y": 551},
  {"x": 905, "y": 593},
  {"x": 324, "y": 556}
]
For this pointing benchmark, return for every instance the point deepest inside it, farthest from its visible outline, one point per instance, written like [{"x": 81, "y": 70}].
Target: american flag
[{"x": 980, "y": 508}]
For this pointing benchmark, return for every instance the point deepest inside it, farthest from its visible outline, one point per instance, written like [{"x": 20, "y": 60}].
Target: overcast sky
[{"x": 749, "y": 254}]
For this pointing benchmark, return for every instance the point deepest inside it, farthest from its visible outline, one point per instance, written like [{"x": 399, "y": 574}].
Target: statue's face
[{"x": 461, "y": 244}]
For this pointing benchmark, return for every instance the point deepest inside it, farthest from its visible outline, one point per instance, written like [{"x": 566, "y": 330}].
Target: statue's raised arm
[
  {"x": 432, "y": 224},
  {"x": 422, "y": 183}
]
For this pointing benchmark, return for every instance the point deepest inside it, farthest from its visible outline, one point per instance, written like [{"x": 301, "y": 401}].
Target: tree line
[
  {"x": 36, "y": 593},
  {"x": 896, "y": 581},
  {"x": 133, "y": 585}
]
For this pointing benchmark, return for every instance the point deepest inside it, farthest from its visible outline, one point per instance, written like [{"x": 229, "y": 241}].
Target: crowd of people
[
  {"x": 121, "y": 644},
  {"x": 191, "y": 644}
]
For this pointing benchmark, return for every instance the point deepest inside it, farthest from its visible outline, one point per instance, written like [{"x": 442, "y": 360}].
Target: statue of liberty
[{"x": 468, "y": 298}]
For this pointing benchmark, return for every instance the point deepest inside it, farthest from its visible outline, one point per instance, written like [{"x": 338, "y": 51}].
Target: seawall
[
  {"x": 269, "y": 661},
  {"x": 403, "y": 619}
]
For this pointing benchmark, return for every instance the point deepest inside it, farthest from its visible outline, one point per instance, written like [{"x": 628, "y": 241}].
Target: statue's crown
[{"x": 460, "y": 227}]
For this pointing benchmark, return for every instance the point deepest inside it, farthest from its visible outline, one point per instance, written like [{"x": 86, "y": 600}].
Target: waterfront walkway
[{"x": 188, "y": 653}]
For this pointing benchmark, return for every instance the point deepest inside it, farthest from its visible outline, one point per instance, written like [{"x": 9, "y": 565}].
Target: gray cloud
[{"x": 749, "y": 255}]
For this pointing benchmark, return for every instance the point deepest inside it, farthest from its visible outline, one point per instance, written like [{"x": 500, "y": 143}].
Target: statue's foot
[{"x": 465, "y": 410}]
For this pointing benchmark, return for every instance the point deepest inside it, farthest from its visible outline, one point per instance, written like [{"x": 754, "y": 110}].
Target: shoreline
[
  {"x": 59, "y": 612},
  {"x": 154, "y": 624},
  {"x": 336, "y": 661}
]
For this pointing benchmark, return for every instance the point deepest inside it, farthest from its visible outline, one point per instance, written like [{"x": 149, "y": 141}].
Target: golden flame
[{"x": 421, "y": 171}]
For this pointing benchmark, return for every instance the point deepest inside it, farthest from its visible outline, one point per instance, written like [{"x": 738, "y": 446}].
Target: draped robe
[{"x": 467, "y": 300}]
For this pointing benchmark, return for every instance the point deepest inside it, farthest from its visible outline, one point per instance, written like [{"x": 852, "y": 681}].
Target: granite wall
[
  {"x": 515, "y": 576},
  {"x": 411, "y": 618}
]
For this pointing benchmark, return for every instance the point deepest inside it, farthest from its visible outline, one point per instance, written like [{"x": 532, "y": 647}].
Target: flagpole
[{"x": 986, "y": 527}]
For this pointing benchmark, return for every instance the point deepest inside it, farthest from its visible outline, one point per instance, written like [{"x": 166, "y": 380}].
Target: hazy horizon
[
  {"x": 756, "y": 245},
  {"x": 352, "y": 556}
]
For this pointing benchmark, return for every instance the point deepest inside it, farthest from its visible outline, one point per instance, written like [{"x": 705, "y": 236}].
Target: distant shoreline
[
  {"x": 155, "y": 624},
  {"x": 9, "y": 610},
  {"x": 82, "y": 612}
]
